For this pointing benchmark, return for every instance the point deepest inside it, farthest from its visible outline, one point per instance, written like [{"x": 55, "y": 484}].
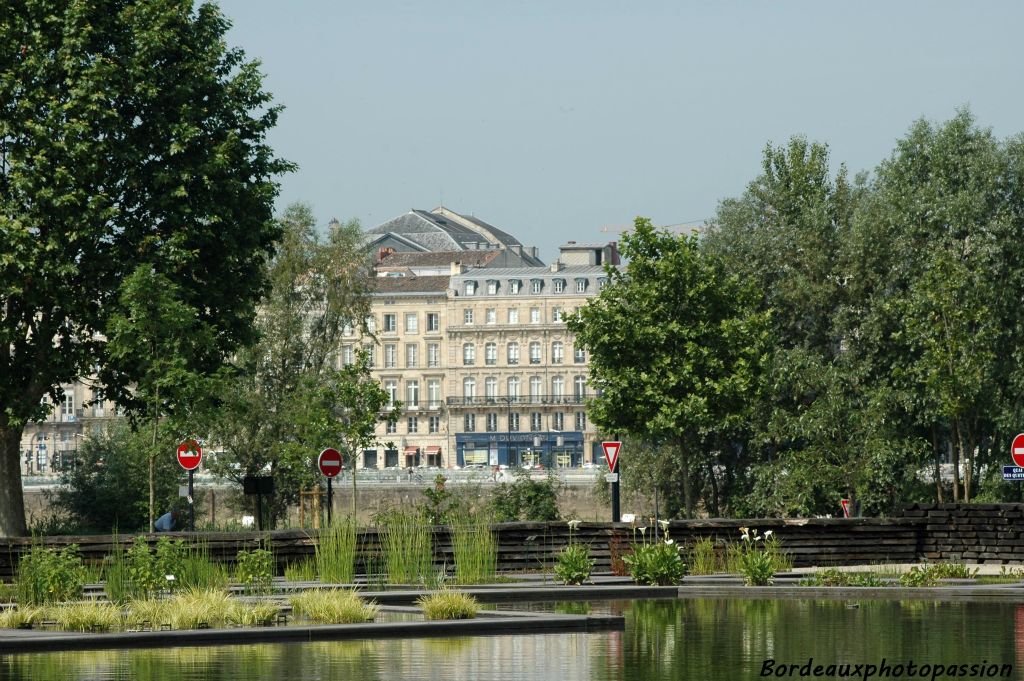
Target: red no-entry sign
[
  {"x": 1017, "y": 450},
  {"x": 329, "y": 462},
  {"x": 190, "y": 455}
]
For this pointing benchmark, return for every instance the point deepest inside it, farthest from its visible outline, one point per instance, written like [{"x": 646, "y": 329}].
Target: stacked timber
[{"x": 972, "y": 533}]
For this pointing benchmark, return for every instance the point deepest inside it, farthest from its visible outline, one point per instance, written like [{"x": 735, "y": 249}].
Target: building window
[
  {"x": 602, "y": 283},
  {"x": 470, "y": 288},
  {"x": 390, "y": 356},
  {"x": 535, "y": 315},
  {"x": 371, "y": 323},
  {"x": 412, "y": 322},
  {"x": 558, "y": 421},
  {"x": 513, "y": 353},
  {"x": 536, "y": 388},
  {"x": 434, "y": 392},
  {"x": 433, "y": 322},
  {"x": 491, "y": 316},
  {"x": 513, "y": 286},
  {"x": 414, "y": 424},
  {"x": 392, "y": 427},
  {"x": 490, "y": 388},
  {"x": 391, "y": 388},
  {"x": 513, "y": 388},
  {"x": 412, "y": 393},
  {"x": 390, "y": 323},
  {"x": 492, "y": 423},
  {"x": 469, "y": 388},
  {"x": 433, "y": 355},
  {"x": 579, "y": 355},
  {"x": 491, "y": 354},
  {"x": 559, "y": 285},
  {"x": 556, "y": 314},
  {"x": 534, "y": 352},
  {"x": 492, "y": 288},
  {"x": 68, "y": 407},
  {"x": 348, "y": 355},
  {"x": 346, "y": 329},
  {"x": 412, "y": 352},
  {"x": 557, "y": 352},
  {"x": 558, "y": 387},
  {"x": 513, "y": 315},
  {"x": 581, "y": 287},
  {"x": 579, "y": 387},
  {"x": 434, "y": 424},
  {"x": 468, "y": 354},
  {"x": 371, "y": 355},
  {"x": 536, "y": 285},
  {"x": 581, "y": 420},
  {"x": 535, "y": 421},
  {"x": 513, "y": 422},
  {"x": 467, "y": 316},
  {"x": 469, "y": 423}
]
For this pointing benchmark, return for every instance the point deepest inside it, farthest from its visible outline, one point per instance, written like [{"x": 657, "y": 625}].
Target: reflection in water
[{"x": 678, "y": 639}]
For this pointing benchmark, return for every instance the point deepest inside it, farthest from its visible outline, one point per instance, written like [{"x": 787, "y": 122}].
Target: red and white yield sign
[
  {"x": 1017, "y": 450},
  {"x": 611, "y": 454},
  {"x": 329, "y": 462},
  {"x": 190, "y": 455}
]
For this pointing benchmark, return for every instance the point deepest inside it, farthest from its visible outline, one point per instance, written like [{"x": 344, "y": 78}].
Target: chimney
[
  {"x": 556, "y": 266},
  {"x": 457, "y": 268}
]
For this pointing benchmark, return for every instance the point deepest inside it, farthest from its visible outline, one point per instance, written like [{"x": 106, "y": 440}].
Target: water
[{"x": 713, "y": 639}]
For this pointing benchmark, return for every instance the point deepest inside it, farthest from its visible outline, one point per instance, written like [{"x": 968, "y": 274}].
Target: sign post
[
  {"x": 329, "y": 463},
  {"x": 611, "y": 456},
  {"x": 190, "y": 455},
  {"x": 1015, "y": 473}
]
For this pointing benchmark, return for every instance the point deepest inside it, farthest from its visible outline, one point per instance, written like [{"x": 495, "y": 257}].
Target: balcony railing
[{"x": 504, "y": 401}]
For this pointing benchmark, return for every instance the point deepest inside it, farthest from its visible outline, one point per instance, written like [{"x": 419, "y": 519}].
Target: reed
[
  {"x": 702, "y": 557},
  {"x": 303, "y": 571},
  {"x": 476, "y": 551},
  {"x": 408, "y": 548},
  {"x": 333, "y": 606},
  {"x": 448, "y": 605},
  {"x": 336, "y": 552}
]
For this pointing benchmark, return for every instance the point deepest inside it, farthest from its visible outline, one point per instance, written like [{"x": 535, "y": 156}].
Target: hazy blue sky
[{"x": 555, "y": 119}]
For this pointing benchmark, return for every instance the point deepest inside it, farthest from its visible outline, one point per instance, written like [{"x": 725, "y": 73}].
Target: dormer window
[
  {"x": 536, "y": 285},
  {"x": 559, "y": 285},
  {"x": 513, "y": 286},
  {"x": 581, "y": 286},
  {"x": 601, "y": 283},
  {"x": 470, "y": 288},
  {"x": 492, "y": 287}
]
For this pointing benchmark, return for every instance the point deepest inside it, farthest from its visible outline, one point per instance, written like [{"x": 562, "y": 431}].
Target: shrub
[
  {"x": 657, "y": 563},
  {"x": 448, "y": 605},
  {"x": 526, "y": 499},
  {"x": 333, "y": 606},
  {"x": 255, "y": 570},
  {"x": 755, "y": 563},
  {"x": 50, "y": 575},
  {"x": 574, "y": 564}
]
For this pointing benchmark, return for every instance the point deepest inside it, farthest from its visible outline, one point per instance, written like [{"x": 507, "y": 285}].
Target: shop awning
[
  {"x": 411, "y": 450},
  {"x": 433, "y": 450}
]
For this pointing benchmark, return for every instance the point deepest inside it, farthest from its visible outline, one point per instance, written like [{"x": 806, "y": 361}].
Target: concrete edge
[{"x": 847, "y": 593}]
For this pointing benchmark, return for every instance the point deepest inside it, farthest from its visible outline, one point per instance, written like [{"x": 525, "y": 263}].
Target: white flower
[
  {"x": 573, "y": 524},
  {"x": 643, "y": 530},
  {"x": 664, "y": 524},
  {"x": 744, "y": 530},
  {"x": 669, "y": 542},
  {"x": 767, "y": 534}
]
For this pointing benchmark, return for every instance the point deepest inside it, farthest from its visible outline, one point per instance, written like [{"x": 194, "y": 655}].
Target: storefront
[{"x": 547, "y": 449}]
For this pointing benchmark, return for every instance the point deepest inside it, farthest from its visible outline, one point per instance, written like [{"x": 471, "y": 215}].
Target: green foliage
[
  {"x": 657, "y": 563},
  {"x": 142, "y": 83},
  {"x": 88, "y": 616},
  {"x": 703, "y": 557},
  {"x": 475, "y": 549},
  {"x": 754, "y": 561},
  {"x": 407, "y": 542},
  {"x": 440, "y": 504},
  {"x": 302, "y": 571},
  {"x": 333, "y": 606},
  {"x": 47, "y": 576},
  {"x": 525, "y": 499},
  {"x": 448, "y": 605},
  {"x": 920, "y": 576},
  {"x": 335, "y": 559},
  {"x": 833, "y": 577},
  {"x": 254, "y": 570},
  {"x": 107, "y": 488},
  {"x": 574, "y": 564},
  {"x": 21, "y": 617}
]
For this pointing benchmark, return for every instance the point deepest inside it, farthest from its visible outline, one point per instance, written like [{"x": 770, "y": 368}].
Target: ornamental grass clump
[
  {"x": 22, "y": 617},
  {"x": 657, "y": 563},
  {"x": 475, "y": 549},
  {"x": 336, "y": 552},
  {"x": 85, "y": 616},
  {"x": 407, "y": 542},
  {"x": 333, "y": 606},
  {"x": 198, "y": 608},
  {"x": 253, "y": 614},
  {"x": 574, "y": 564},
  {"x": 448, "y": 605}
]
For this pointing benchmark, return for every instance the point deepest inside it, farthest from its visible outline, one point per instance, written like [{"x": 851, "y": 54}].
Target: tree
[
  {"x": 676, "y": 350},
  {"x": 130, "y": 134},
  {"x": 287, "y": 401}
]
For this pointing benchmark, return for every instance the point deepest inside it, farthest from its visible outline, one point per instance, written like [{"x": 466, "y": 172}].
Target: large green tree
[
  {"x": 130, "y": 134},
  {"x": 677, "y": 349}
]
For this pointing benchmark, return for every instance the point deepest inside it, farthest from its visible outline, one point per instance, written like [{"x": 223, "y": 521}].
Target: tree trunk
[
  {"x": 12, "y": 500},
  {"x": 963, "y": 456},
  {"x": 938, "y": 466},
  {"x": 713, "y": 502},
  {"x": 152, "y": 463},
  {"x": 355, "y": 504},
  {"x": 684, "y": 463},
  {"x": 956, "y": 464}
]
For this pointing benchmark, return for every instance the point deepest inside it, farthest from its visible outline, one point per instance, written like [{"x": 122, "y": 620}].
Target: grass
[
  {"x": 15, "y": 618},
  {"x": 8, "y": 592},
  {"x": 333, "y": 606},
  {"x": 153, "y": 612},
  {"x": 253, "y": 614},
  {"x": 408, "y": 548},
  {"x": 476, "y": 551},
  {"x": 703, "y": 560},
  {"x": 195, "y": 607},
  {"x": 303, "y": 571},
  {"x": 85, "y": 616},
  {"x": 336, "y": 552},
  {"x": 448, "y": 605}
]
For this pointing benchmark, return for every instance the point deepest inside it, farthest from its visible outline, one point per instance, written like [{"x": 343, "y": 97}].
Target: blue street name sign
[{"x": 1013, "y": 473}]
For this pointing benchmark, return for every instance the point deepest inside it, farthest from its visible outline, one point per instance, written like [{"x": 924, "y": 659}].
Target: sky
[{"x": 560, "y": 120}]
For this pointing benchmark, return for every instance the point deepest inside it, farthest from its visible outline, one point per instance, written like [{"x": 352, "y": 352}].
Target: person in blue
[{"x": 167, "y": 522}]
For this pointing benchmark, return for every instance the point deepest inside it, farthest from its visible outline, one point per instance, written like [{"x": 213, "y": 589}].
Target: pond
[{"x": 725, "y": 639}]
